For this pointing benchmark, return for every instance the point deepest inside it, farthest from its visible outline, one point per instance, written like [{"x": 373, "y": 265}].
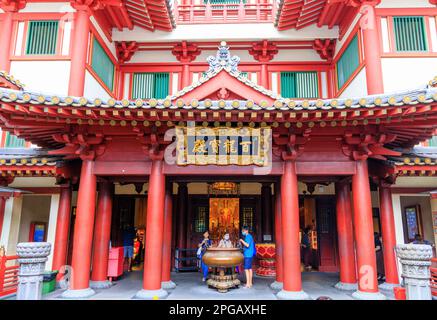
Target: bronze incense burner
[{"x": 223, "y": 261}]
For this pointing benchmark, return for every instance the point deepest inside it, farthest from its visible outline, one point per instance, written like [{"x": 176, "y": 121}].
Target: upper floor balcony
[{"x": 224, "y": 11}]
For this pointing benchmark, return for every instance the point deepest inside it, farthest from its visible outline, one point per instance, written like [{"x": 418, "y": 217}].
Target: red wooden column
[
  {"x": 388, "y": 237},
  {"x": 166, "y": 282},
  {"x": 185, "y": 75},
  {"x": 182, "y": 215},
  {"x": 79, "y": 49},
  {"x": 7, "y": 26},
  {"x": 264, "y": 76},
  {"x": 278, "y": 284},
  {"x": 371, "y": 41},
  {"x": 154, "y": 235},
  {"x": 62, "y": 230},
  {"x": 345, "y": 231},
  {"x": 363, "y": 222},
  {"x": 266, "y": 196},
  {"x": 292, "y": 278},
  {"x": 102, "y": 235},
  {"x": 83, "y": 234}
]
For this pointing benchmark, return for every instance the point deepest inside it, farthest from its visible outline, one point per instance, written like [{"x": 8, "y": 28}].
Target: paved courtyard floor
[{"x": 190, "y": 287}]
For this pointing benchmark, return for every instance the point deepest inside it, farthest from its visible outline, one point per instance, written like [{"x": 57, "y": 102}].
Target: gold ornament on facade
[
  {"x": 180, "y": 103},
  {"x": 83, "y": 101},
  {"x": 362, "y": 102},
  {"x": 97, "y": 102},
  {"x": 41, "y": 99}
]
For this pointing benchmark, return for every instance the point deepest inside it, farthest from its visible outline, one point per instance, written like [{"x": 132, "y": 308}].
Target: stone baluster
[
  {"x": 32, "y": 257},
  {"x": 416, "y": 260}
]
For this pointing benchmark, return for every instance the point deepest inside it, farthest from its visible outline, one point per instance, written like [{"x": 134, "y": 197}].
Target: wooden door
[{"x": 326, "y": 234}]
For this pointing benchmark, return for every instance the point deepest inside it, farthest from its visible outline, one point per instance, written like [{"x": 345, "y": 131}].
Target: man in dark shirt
[{"x": 129, "y": 235}]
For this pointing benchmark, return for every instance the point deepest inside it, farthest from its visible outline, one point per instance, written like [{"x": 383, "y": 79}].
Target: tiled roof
[
  {"x": 425, "y": 95},
  {"x": 27, "y": 157},
  {"x": 9, "y": 78},
  {"x": 418, "y": 156}
]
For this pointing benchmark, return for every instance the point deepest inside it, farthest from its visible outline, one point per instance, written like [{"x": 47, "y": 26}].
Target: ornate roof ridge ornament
[{"x": 223, "y": 60}]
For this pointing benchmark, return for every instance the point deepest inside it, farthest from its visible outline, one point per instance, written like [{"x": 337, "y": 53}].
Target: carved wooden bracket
[
  {"x": 82, "y": 145},
  {"x": 153, "y": 144},
  {"x": 290, "y": 146},
  {"x": 363, "y": 146},
  {"x": 185, "y": 52},
  {"x": 125, "y": 50},
  {"x": 12, "y": 5},
  {"x": 325, "y": 48},
  {"x": 6, "y": 180},
  {"x": 263, "y": 51}
]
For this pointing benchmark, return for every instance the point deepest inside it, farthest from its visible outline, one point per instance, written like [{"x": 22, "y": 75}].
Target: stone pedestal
[
  {"x": 416, "y": 261},
  {"x": 32, "y": 257}
]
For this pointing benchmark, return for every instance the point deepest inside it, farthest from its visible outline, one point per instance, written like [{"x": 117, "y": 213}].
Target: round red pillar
[
  {"x": 62, "y": 230},
  {"x": 292, "y": 278},
  {"x": 182, "y": 214},
  {"x": 372, "y": 50},
  {"x": 154, "y": 235},
  {"x": 83, "y": 234},
  {"x": 266, "y": 196},
  {"x": 345, "y": 231},
  {"x": 102, "y": 235},
  {"x": 185, "y": 75},
  {"x": 166, "y": 282},
  {"x": 363, "y": 221},
  {"x": 388, "y": 237},
  {"x": 79, "y": 49},
  {"x": 6, "y": 40},
  {"x": 264, "y": 76},
  {"x": 278, "y": 284}
]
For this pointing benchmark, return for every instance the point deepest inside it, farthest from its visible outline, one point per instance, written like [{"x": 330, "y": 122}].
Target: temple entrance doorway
[{"x": 224, "y": 217}]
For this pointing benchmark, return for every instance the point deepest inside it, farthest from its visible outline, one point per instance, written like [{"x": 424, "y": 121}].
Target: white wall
[
  {"x": 407, "y": 73},
  {"x": 227, "y": 32},
  {"x": 93, "y": 89},
  {"x": 357, "y": 87},
  {"x": 405, "y": 4},
  {"x": 50, "y": 77}
]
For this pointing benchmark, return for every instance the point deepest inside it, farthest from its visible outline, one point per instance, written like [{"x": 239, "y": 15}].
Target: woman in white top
[{"x": 225, "y": 242}]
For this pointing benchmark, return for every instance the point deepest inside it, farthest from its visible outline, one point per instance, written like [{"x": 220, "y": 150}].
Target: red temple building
[{"x": 332, "y": 106}]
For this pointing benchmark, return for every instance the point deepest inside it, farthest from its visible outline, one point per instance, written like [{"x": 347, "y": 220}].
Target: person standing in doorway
[
  {"x": 306, "y": 248},
  {"x": 203, "y": 245},
  {"x": 248, "y": 252},
  {"x": 379, "y": 257},
  {"x": 128, "y": 244}
]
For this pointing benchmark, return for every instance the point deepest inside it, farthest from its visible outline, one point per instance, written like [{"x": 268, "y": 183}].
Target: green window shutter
[
  {"x": 161, "y": 85},
  {"x": 288, "y": 84},
  {"x": 307, "y": 85},
  {"x": 410, "y": 34},
  {"x": 12, "y": 141},
  {"x": 42, "y": 37},
  {"x": 150, "y": 85},
  {"x": 348, "y": 62},
  {"x": 302, "y": 85},
  {"x": 102, "y": 65}
]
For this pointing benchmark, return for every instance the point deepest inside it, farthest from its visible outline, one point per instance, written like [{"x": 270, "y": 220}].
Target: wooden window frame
[
  {"x": 389, "y": 14},
  {"x": 116, "y": 77},
  {"x": 26, "y": 18}
]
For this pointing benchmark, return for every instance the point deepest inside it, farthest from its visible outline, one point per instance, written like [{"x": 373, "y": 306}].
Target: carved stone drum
[
  {"x": 266, "y": 254},
  {"x": 223, "y": 261}
]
